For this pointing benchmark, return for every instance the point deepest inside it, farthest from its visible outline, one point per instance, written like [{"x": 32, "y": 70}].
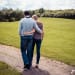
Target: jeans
[
  {"x": 26, "y": 47},
  {"x": 38, "y": 45}
]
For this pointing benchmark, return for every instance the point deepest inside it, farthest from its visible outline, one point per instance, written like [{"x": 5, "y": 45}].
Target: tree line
[
  {"x": 67, "y": 13},
  {"x": 8, "y": 15}
]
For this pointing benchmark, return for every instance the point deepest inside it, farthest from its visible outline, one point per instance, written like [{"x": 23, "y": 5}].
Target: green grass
[
  {"x": 9, "y": 33},
  {"x": 59, "y": 38},
  {"x": 7, "y": 70}
]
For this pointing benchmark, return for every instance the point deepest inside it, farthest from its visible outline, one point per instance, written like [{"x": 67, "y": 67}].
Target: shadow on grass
[{"x": 35, "y": 71}]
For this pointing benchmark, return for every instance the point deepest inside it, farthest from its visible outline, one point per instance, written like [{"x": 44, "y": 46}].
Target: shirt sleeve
[
  {"x": 20, "y": 28},
  {"x": 37, "y": 28}
]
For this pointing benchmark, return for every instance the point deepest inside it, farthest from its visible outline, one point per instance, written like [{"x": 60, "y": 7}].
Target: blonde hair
[{"x": 35, "y": 17}]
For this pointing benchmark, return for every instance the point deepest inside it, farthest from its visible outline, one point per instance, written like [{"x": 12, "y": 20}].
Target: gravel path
[{"x": 12, "y": 56}]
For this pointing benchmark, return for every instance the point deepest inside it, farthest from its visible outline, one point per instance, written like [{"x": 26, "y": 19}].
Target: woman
[{"x": 37, "y": 39}]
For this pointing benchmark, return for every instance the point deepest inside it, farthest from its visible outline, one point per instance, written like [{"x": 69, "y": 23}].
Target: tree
[{"x": 41, "y": 10}]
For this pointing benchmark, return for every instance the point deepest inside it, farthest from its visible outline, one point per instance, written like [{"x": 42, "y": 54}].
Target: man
[{"x": 27, "y": 24}]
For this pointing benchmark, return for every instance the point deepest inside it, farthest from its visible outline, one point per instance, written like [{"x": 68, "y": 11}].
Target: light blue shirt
[{"x": 27, "y": 25}]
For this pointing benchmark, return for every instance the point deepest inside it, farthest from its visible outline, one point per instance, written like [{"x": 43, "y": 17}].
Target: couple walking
[{"x": 31, "y": 33}]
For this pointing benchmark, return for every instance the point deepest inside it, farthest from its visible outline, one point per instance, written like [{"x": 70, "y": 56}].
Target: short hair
[
  {"x": 26, "y": 13},
  {"x": 35, "y": 17}
]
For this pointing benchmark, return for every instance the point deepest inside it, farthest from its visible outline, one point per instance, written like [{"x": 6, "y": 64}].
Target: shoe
[
  {"x": 26, "y": 67},
  {"x": 37, "y": 66}
]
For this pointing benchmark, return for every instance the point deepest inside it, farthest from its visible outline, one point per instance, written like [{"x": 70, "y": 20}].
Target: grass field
[
  {"x": 7, "y": 70},
  {"x": 59, "y": 38}
]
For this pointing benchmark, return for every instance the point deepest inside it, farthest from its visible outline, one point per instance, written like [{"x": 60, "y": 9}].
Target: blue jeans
[
  {"x": 38, "y": 46},
  {"x": 26, "y": 47}
]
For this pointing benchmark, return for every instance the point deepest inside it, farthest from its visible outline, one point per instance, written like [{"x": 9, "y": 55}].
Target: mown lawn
[
  {"x": 7, "y": 70},
  {"x": 59, "y": 38}
]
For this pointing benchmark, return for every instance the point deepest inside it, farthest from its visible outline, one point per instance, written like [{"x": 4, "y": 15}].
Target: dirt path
[{"x": 12, "y": 56}]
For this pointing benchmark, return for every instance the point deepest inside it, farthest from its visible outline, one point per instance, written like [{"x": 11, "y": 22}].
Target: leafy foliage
[{"x": 15, "y": 15}]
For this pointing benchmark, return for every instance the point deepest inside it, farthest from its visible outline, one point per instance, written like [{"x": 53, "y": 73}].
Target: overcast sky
[{"x": 35, "y": 4}]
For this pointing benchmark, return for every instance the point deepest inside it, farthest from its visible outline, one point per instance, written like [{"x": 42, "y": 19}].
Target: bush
[{"x": 11, "y": 19}]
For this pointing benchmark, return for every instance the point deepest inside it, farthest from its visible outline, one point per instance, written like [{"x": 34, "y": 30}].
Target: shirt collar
[{"x": 27, "y": 16}]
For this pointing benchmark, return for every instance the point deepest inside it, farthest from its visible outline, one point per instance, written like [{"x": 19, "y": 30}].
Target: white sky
[{"x": 35, "y": 4}]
